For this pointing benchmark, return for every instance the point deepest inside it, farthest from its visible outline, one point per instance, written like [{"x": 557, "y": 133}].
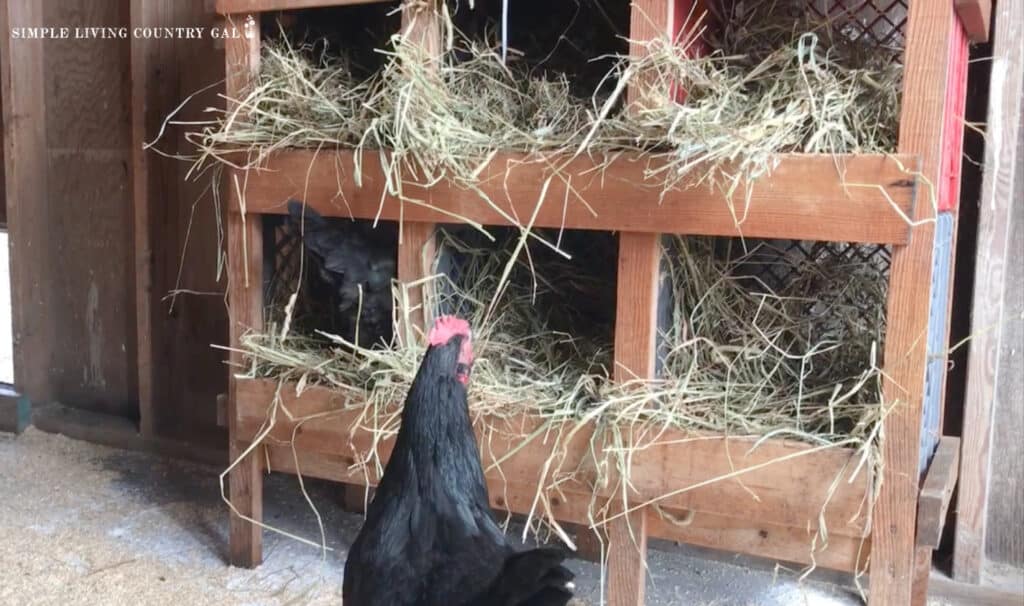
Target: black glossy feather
[
  {"x": 430, "y": 538},
  {"x": 356, "y": 263}
]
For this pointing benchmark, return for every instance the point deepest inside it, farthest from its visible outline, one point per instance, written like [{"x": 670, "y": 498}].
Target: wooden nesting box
[{"x": 804, "y": 198}]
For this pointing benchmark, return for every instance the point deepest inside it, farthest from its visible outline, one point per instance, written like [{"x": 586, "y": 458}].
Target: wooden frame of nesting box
[{"x": 803, "y": 198}]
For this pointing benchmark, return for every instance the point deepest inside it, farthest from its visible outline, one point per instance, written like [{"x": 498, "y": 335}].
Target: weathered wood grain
[
  {"x": 930, "y": 32},
  {"x": 804, "y": 198},
  {"x": 24, "y": 114},
  {"x": 936, "y": 493},
  {"x": 992, "y": 283},
  {"x": 177, "y": 239},
  {"x": 672, "y": 463},
  {"x": 417, "y": 246},
  {"x": 245, "y": 301}
]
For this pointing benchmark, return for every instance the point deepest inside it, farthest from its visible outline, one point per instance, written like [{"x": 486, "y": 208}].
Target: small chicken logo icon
[{"x": 249, "y": 30}]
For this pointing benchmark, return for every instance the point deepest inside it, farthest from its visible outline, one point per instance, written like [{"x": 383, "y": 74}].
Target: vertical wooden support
[
  {"x": 992, "y": 289},
  {"x": 922, "y": 568},
  {"x": 422, "y": 26},
  {"x": 416, "y": 251},
  {"x": 627, "y": 559},
  {"x": 636, "y": 315},
  {"x": 142, "y": 14},
  {"x": 25, "y": 172},
  {"x": 931, "y": 29},
  {"x": 636, "y": 320},
  {"x": 245, "y": 299}
]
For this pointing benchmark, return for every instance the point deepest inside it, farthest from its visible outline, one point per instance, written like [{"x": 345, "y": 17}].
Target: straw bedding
[{"x": 742, "y": 355}]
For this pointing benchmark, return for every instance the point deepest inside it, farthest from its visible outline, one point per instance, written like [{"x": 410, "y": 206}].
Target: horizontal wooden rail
[
  {"x": 674, "y": 462},
  {"x": 231, "y": 7},
  {"x": 849, "y": 198},
  {"x": 732, "y": 534}
]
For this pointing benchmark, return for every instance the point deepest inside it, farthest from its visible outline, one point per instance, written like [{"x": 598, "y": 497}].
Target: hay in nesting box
[
  {"x": 742, "y": 357},
  {"x": 741, "y": 360},
  {"x": 775, "y": 80}
]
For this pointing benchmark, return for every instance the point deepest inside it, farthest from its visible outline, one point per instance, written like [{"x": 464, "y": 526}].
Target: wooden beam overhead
[{"x": 229, "y": 7}]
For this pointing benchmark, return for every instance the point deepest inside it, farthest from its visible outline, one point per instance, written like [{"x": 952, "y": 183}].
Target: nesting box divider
[
  {"x": 416, "y": 244},
  {"x": 245, "y": 295},
  {"x": 846, "y": 198}
]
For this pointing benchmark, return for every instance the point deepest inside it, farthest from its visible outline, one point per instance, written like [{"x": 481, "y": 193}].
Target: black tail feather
[{"x": 531, "y": 578}]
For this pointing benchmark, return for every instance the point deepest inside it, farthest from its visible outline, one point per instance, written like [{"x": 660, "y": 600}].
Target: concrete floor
[{"x": 86, "y": 524}]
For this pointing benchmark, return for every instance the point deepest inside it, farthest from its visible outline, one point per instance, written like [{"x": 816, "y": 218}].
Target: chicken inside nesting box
[{"x": 341, "y": 272}]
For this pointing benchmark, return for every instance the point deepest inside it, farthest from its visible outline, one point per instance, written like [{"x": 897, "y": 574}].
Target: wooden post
[
  {"x": 25, "y": 168},
  {"x": 994, "y": 259},
  {"x": 627, "y": 559},
  {"x": 421, "y": 26},
  {"x": 146, "y": 121},
  {"x": 936, "y": 492},
  {"x": 931, "y": 30},
  {"x": 636, "y": 321},
  {"x": 245, "y": 298},
  {"x": 416, "y": 251}
]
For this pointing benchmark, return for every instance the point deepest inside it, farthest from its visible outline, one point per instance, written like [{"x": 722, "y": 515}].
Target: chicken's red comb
[{"x": 446, "y": 327}]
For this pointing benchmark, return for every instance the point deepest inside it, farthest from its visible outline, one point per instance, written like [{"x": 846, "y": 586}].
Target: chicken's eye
[{"x": 462, "y": 372}]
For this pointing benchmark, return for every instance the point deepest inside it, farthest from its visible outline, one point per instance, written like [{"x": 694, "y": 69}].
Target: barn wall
[
  {"x": 94, "y": 327},
  {"x": 1004, "y": 541},
  {"x": 180, "y": 373},
  {"x": 66, "y": 149},
  {"x": 87, "y": 142},
  {"x": 990, "y": 504}
]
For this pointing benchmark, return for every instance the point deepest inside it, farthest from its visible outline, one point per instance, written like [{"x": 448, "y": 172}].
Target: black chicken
[
  {"x": 430, "y": 538},
  {"x": 351, "y": 259}
]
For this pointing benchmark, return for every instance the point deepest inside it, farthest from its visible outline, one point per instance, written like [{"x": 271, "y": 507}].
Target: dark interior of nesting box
[
  {"x": 365, "y": 259},
  {"x": 577, "y": 38}
]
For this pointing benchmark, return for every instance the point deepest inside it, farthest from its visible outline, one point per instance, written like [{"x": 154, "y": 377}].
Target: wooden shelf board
[
  {"x": 804, "y": 198},
  {"x": 736, "y": 535},
  {"x": 331, "y": 443},
  {"x": 230, "y": 7}
]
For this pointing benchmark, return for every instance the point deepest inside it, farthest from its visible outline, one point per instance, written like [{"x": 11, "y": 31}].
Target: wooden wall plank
[
  {"x": 3, "y": 175},
  {"x": 87, "y": 139},
  {"x": 929, "y": 33},
  {"x": 992, "y": 284},
  {"x": 145, "y": 123},
  {"x": 1006, "y": 498},
  {"x": 175, "y": 230},
  {"x": 636, "y": 311},
  {"x": 25, "y": 169}
]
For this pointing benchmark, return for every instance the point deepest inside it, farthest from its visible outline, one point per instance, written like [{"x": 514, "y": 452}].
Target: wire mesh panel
[
  {"x": 338, "y": 282},
  {"x": 884, "y": 21}
]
